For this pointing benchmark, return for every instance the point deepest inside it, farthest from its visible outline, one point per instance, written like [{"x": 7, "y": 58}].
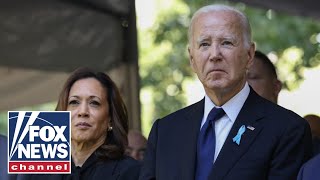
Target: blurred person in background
[
  {"x": 314, "y": 122},
  {"x": 262, "y": 77},
  {"x": 136, "y": 145}
]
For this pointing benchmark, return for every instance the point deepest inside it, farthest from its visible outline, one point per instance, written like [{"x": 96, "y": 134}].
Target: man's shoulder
[
  {"x": 310, "y": 170},
  {"x": 3, "y": 138},
  {"x": 184, "y": 112},
  {"x": 285, "y": 115},
  {"x": 271, "y": 115},
  {"x": 272, "y": 111},
  {"x": 3, "y": 142},
  {"x": 314, "y": 162}
]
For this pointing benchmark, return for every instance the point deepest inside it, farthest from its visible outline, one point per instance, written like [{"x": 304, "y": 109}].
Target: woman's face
[{"x": 89, "y": 108}]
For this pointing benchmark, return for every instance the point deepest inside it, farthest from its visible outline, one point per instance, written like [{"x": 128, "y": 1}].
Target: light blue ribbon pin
[{"x": 237, "y": 138}]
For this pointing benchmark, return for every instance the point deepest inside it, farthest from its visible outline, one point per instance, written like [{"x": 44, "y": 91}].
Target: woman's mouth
[{"x": 83, "y": 125}]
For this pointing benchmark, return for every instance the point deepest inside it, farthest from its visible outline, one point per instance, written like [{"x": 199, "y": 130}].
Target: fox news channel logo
[{"x": 39, "y": 142}]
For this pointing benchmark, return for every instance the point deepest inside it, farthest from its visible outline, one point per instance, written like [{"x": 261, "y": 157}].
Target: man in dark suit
[
  {"x": 3, "y": 157},
  {"x": 233, "y": 133},
  {"x": 310, "y": 170},
  {"x": 3, "y": 160}
]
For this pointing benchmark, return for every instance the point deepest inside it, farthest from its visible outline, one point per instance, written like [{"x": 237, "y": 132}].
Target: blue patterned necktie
[{"x": 207, "y": 144}]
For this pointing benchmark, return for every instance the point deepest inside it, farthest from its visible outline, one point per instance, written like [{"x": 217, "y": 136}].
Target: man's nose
[
  {"x": 134, "y": 154},
  {"x": 215, "y": 52}
]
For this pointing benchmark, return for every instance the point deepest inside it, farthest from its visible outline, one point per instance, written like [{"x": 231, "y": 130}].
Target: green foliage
[
  {"x": 165, "y": 75},
  {"x": 4, "y": 115},
  {"x": 3, "y": 123},
  {"x": 276, "y": 32}
]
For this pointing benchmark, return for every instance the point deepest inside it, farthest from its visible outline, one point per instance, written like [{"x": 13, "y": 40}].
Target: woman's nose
[{"x": 83, "y": 111}]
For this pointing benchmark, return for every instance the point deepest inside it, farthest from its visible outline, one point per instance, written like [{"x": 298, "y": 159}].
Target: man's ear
[
  {"x": 278, "y": 86},
  {"x": 191, "y": 58},
  {"x": 251, "y": 53}
]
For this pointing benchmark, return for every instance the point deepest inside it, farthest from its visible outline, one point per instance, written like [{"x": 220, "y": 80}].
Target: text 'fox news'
[{"x": 39, "y": 142}]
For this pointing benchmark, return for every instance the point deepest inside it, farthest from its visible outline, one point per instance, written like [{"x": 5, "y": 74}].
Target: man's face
[
  {"x": 261, "y": 80},
  {"x": 136, "y": 146},
  {"x": 314, "y": 122},
  {"x": 217, "y": 52}
]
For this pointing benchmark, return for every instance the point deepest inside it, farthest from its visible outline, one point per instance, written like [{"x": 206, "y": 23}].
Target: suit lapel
[
  {"x": 188, "y": 145},
  {"x": 231, "y": 152}
]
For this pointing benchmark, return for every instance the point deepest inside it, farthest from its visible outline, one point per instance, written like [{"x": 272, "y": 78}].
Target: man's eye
[
  {"x": 128, "y": 151},
  {"x": 252, "y": 76},
  {"x": 228, "y": 43},
  {"x": 204, "y": 44}
]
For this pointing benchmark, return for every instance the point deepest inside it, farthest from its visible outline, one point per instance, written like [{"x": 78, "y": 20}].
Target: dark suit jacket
[
  {"x": 310, "y": 170},
  {"x": 274, "y": 150},
  {"x": 4, "y": 160}
]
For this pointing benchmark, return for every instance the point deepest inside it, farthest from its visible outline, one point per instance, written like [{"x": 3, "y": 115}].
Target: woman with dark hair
[{"x": 99, "y": 127}]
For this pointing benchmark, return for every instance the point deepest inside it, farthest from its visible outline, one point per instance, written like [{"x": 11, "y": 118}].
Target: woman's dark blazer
[{"x": 125, "y": 168}]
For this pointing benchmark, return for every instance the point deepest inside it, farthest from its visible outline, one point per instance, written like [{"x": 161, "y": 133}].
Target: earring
[{"x": 110, "y": 128}]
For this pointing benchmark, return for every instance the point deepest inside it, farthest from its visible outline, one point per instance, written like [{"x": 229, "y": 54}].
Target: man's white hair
[{"x": 219, "y": 7}]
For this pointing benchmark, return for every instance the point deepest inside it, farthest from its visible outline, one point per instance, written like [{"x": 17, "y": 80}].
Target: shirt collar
[{"x": 231, "y": 107}]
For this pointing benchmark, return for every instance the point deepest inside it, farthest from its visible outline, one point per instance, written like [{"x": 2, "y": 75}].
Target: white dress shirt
[{"x": 224, "y": 124}]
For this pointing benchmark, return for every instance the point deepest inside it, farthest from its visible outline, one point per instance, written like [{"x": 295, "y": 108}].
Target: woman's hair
[{"x": 116, "y": 141}]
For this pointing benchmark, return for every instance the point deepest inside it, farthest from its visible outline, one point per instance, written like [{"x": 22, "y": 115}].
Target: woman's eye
[
  {"x": 73, "y": 102},
  {"x": 95, "y": 103}
]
